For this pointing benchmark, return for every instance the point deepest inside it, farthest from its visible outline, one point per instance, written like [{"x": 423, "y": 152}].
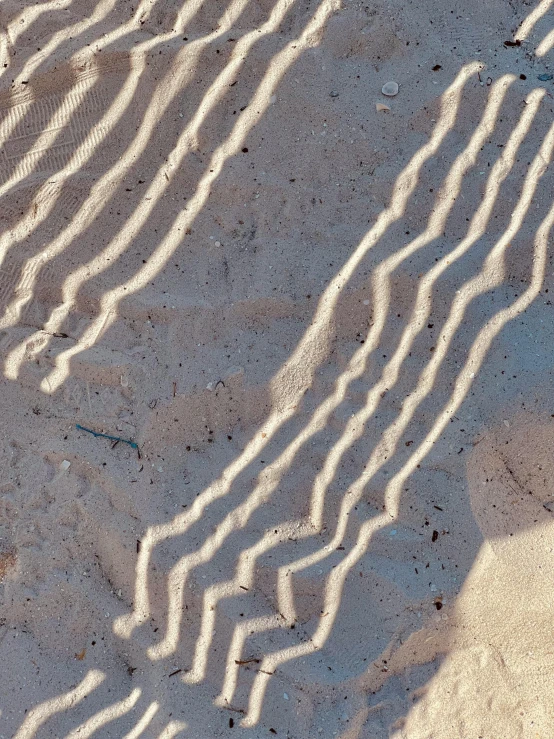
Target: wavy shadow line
[
  {"x": 155, "y": 192},
  {"x": 381, "y": 292},
  {"x": 492, "y": 274},
  {"x": 385, "y": 448},
  {"x": 300, "y": 359},
  {"x": 91, "y": 208}
]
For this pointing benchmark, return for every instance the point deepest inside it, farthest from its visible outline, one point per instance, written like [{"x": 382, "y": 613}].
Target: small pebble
[
  {"x": 334, "y": 94},
  {"x": 390, "y": 89},
  {"x": 286, "y": 696},
  {"x": 366, "y": 302},
  {"x": 65, "y": 465},
  {"x": 217, "y": 243}
]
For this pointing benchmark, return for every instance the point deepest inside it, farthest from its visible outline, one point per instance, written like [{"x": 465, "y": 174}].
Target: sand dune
[{"x": 313, "y": 341}]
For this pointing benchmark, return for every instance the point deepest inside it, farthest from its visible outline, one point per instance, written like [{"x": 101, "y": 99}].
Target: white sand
[{"x": 329, "y": 329}]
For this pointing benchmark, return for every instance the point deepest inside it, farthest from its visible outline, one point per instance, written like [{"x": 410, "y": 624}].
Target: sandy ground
[{"x": 322, "y": 333}]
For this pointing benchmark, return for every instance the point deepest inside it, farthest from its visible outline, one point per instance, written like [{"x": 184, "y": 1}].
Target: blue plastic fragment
[
  {"x": 545, "y": 77},
  {"x": 132, "y": 444}
]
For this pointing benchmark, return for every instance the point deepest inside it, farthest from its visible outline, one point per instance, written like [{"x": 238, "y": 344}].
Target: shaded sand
[{"x": 327, "y": 325}]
